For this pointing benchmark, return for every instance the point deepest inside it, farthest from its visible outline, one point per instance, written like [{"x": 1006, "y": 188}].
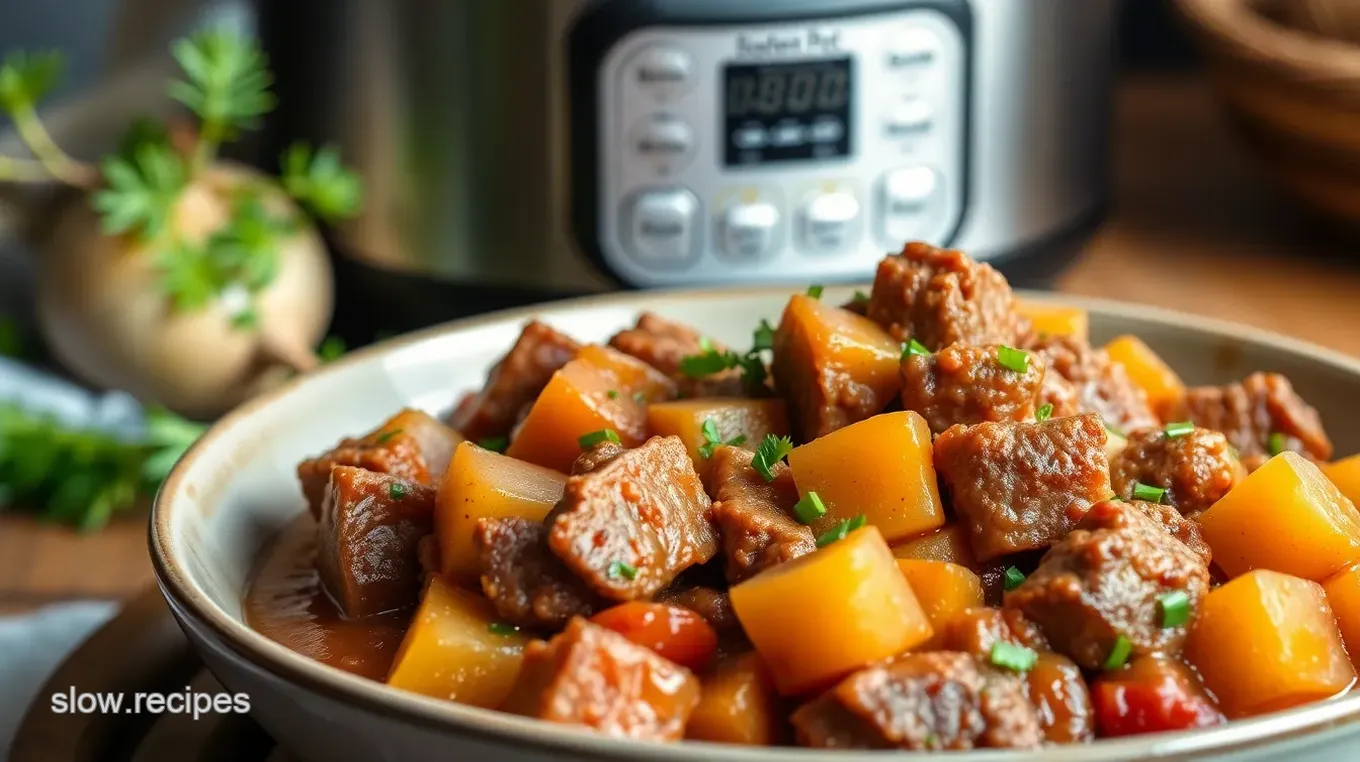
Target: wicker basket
[{"x": 1289, "y": 72}]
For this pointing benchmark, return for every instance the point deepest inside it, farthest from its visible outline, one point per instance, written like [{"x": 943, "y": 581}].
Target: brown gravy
[{"x": 285, "y": 603}]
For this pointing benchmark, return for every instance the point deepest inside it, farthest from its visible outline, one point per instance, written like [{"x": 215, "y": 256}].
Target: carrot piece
[{"x": 673, "y": 632}]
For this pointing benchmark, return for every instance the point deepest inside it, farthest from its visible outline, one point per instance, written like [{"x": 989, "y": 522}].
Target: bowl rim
[
  {"x": 1252, "y": 37},
  {"x": 189, "y": 600}
]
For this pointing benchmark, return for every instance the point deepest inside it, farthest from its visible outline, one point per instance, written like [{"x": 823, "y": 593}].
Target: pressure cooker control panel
[{"x": 784, "y": 151}]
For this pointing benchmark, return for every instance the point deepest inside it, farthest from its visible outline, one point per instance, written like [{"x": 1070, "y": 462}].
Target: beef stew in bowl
[
  {"x": 775, "y": 617},
  {"x": 932, "y": 518}
]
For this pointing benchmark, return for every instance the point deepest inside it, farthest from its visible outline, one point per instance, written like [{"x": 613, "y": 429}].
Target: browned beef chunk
[
  {"x": 1103, "y": 581},
  {"x": 410, "y": 445},
  {"x": 1195, "y": 469},
  {"x": 1022, "y": 486},
  {"x": 663, "y": 344},
  {"x": 1248, "y": 414},
  {"x": 922, "y": 701},
  {"x": 1178, "y": 526},
  {"x": 975, "y": 630},
  {"x": 1061, "y": 699},
  {"x": 755, "y": 518},
  {"x": 368, "y": 540},
  {"x": 597, "y": 457},
  {"x": 968, "y": 384},
  {"x": 713, "y": 605},
  {"x": 528, "y": 584},
  {"x": 596, "y": 678},
  {"x": 1058, "y": 392},
  {"x": 941, "y": 297},
  {"x": 628, "y": 528},
  {"x": 1101, "y": 384},
  {"x": 514, "y": 383}
]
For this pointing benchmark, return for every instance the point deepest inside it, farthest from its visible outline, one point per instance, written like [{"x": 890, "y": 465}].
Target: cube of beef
[
  {"x": 1104, "y": 581},
  {"x": 977, "y": 629},
  {"x": 410, "y": 445},
  {"x": 1260, "y": 416},
  {"x": 514, "y": 383},
  {"x": 1195, "y": 469},
  {"x": 755, "y": 518},
  {"x": 1022, "y": 486},
  {"x": 968, "y": 384},
  {"x": 922, "y": 701},
  {"x": 664, "y": 343},
  {"x": 714, "y": 605},
  {"x": 629, "y": 527},
  {"x": 1178, "y": 526},
  {"x": 1101, "y": 384},
  {"x": 833, "y": 367},
  {"x": 598, "y": 679},
  {"x": 528, "y": 585},
  {"x": 368, "y": 540},
  {"x": 941, "y": 297}
]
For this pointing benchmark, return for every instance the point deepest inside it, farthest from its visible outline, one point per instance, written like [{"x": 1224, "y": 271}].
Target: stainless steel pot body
[{"x": 466, "y": 120}]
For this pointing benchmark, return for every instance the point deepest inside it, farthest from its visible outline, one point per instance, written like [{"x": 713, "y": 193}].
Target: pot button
[
  {"x": 665, "y": 141},
  {"x": 910, "y": 117},
  {"x": 663, "y": 71},
  {"x": 748, "y": 230},
  {"x": 830, "y": 222},
  {"x": 912, "y": 47},
  {"x": 908, "y": 196},
  {"x": 659, "y": 227}
]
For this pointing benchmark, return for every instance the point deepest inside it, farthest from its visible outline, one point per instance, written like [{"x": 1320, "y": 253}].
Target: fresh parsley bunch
[{"x": 82, "y": 477}]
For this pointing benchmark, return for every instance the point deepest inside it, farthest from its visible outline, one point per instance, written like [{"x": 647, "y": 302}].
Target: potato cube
[
  {"x": 592, "y": 392},
  {"x": 948, "y": 543},
  {"x": 820, "y": 616},
  {"x": 481, "y": 484},
  {"x": 1056, "y": 320},
  {"x": 1267, "y": 641},
  {"x": 732, "y": 418},
  {"x": 1343, "y": 594},
  {"x": 456, "y": 650},
  {"x": 1147, "y": 371},
  {"x": 882, "y": 467},
  {"x": 1345, "y": 474},
  {"x": 943, "y": 589},
  {"x": 1284, "y": 516},
  {"x": 738, "y": 704}
]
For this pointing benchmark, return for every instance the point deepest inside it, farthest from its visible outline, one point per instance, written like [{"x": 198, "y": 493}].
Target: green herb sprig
[{"x": 83, "y": 477}]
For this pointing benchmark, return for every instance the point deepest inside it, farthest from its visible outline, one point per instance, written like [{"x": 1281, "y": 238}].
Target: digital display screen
[{"x": 787, "y": 111}]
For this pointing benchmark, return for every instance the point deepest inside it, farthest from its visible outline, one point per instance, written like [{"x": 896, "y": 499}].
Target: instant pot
[{"x": 536, "y": 148}]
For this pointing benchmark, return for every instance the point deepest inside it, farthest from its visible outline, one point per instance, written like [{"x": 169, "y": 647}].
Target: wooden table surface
[{"x": 1194, "y": 227}]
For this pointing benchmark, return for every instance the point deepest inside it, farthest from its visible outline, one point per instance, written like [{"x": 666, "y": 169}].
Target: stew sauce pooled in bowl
[{"x": 931, "y": 518}]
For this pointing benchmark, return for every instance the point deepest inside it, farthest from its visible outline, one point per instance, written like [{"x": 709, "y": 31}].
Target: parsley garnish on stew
[
  {"x": 396, "y": 490},
  {"x": 1275, "y": 443},
  {"x": 914, "y": 347},
  {"x": 1175, "y": 608},
  {"x": 842, "y": 528},
  {"x": 861, "y": 298},
  {"x": 588, "y": 441},
  {"x": 713, "y": 440},
  {"x": 1178, "y": 429},
  {"x": 1013, "y": 578},
  {"x": 494, "y": 444},
  {"x": 1013, "y": 657},
  {"x": 763, "y": 337},
  {"x": 1119, "y": 654},
  {"x": 810, "y": 508},
  {"x": 772, "y": 450},
  {"x": 620, "y": 569},
  {"x": 501, "y": 628},
  {"x": 1148, "y": 492},
  {"x": 1012, "y": 358},
  {"x": 815, "y": 291},
  {"x": 1044, "y": 412},
  {"x": 386, "y": 436}
]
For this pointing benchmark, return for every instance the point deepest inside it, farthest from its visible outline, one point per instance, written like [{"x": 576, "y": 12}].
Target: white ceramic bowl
[{"x": 237, "y": 487}]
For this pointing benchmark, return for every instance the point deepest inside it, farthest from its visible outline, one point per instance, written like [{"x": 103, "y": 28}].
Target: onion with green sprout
[{"x": 184, "y": 279}]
